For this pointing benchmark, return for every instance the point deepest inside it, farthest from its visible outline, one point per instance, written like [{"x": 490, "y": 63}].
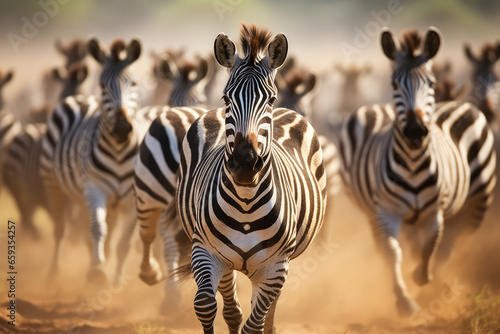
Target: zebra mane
[
  {"x": 410, "y": 42},
  {"x": 117, "y": 47},
  {"x": 254, "y": 40}
]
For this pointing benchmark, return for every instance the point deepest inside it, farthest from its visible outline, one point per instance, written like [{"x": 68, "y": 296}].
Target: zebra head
[
  {"x": 249, "y": 97},
  {"x": 119, "y": 91},
  {"x": 5, "y": 78},
  {"x": 74, "y": 51},
  {"x": 413, "y": 82},
  {"x": 296, "y": 90},
  {"x": 188, "y": 80},
  {"x": 71, "y": 78},
  {"x": 484, "y": 79}
]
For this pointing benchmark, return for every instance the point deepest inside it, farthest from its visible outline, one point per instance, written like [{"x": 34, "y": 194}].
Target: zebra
[
  {"x": 156, "y": 166},
  {"x": 22, "y": 165},
  {"x": 88, "y": 154},
  {"x": 484, "y": 78},
  {"x": 188, "y": 80},
  {"x": 10, "y": 126},
  {"x": 415, "y": 163},
  {"x": 251, "y": 186},
  {"x": 70, "y": 79},
  {"x": 73, "y": 52},
  {"x": 294, "y": 92}
]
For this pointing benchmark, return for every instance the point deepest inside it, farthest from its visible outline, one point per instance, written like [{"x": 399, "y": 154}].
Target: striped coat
[
  {"x": 251, "y": 190},
  {"x": 89, "y": 154},
  {"x": 415, "y": 164}
]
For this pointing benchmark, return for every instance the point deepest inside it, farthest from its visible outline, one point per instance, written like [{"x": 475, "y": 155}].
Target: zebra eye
[
  {"x": 226, "y": 99},
  {"x": 432, "y": 83},
  {"x": 394, "y": 85},
  {"x": 272, "y": 100}
]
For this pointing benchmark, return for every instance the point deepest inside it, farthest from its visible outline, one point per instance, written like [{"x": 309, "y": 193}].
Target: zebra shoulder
[
  {"x": 208, "y": 128},
  {"x": 456, "y": 117}
]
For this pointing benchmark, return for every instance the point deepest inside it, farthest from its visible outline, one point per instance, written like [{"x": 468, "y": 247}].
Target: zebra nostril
[
  {"x": 231, "y": 165},
  {"x": 258, "y": 164}
]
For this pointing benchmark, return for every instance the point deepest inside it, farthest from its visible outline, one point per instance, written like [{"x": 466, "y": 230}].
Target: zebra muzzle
[{"x": 245, "y": 163}]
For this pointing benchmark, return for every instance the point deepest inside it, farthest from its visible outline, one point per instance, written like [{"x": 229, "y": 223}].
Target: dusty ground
[{"x": 338, "y": 286}]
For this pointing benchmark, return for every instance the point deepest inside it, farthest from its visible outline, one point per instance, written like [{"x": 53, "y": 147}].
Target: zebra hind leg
[
  {"x": 57, "y": 212},
  {"x": 433, "y": 231},
  {"x": 266, "y": 289},
  {"x": 150, "y": 268},
  {"x": 172, "y": 255},
  {"x": 232, "y": 309}
]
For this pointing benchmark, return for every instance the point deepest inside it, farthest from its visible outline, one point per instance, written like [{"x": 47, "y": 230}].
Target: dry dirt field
[{"x": 338, "y": 286}]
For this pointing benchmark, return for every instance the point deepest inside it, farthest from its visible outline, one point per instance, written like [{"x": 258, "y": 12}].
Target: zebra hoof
[
  {"x": 153, "y": 275},
  {"x": 97, "y": 277},
  {"x": 421, "y": 277},
  {"x": 407, "y": 306}
]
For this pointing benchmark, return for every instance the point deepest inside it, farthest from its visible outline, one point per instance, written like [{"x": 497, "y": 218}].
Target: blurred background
[{"x": 321, "y": 34}]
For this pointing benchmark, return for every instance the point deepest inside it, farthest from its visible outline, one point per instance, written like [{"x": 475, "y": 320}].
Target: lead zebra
[
  {"x": 251, "y": 190},
  {"x": 413, "y": 163},
  {"x": 89, "y": 153}
]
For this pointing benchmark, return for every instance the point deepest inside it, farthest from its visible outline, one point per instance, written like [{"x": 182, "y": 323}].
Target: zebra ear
[
  {"x": 59, "y": 46},
  {"x": 224, "y": 50},
  {"x": 133, "y": 51},
  {"x": 310, "y": 83},
  {"x": 95, "y": 48},
  {"x": 388, "y": 43},
  {"x": 431, "y": 43},
  {"x": 166, "y": 68},
  {"x": 469, "y": 54},
  {"x": 277, "y": 51},
  {"x": 202, "y": 69},
  {"x": 497, "y": 51},
  {"x": 56, "y": 74},
  {"x": 5, "y": 79}
]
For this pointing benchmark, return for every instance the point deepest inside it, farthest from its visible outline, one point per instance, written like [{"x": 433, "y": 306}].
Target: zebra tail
[{"x": 182, "y": 273}]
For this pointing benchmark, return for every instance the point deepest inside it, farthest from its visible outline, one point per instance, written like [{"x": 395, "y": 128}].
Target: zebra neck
[
  {"x": 410, "y": 158},
  {"x": 246, "y": 196},
  {"x": 106, "y": 140}
]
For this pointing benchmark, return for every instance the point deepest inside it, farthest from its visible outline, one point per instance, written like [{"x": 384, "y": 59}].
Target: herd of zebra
[{"x": 244, "y": 187}]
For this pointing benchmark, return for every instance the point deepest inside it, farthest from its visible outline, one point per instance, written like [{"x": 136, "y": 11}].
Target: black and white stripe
[
  {"x": 251, "y": 191},
  {"x": 89, "y": 153},
  {"x": 22, "y": 165},
  {"x": 415, "y": 164}
]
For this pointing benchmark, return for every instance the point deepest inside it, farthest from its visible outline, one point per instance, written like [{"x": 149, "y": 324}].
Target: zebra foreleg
[
  {"x": 387, "y": 230},
  {"x": 266, "y": 288},
  {"x": 232, "y": 309},
  {"x": 96, "y": 204},
  {"x": 150, "y": 268},
  {"x": 433, "y": 231},
  {"x": 208, "y": 272},
  {"x": 129, "y": 217}
]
